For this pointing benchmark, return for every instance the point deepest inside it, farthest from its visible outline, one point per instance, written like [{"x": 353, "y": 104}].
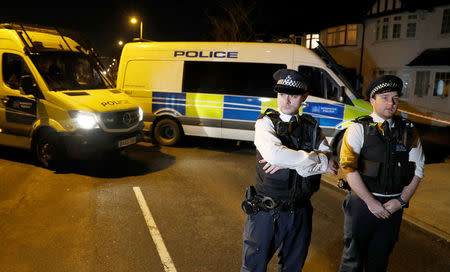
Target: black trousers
[
  {"x": 289, "y": 232},
  {"x": 368, "y": 241}
]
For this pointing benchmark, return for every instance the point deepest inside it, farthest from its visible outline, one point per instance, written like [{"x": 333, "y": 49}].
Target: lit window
[
  {"x": 445, "y": 22},
  {"x": 311, "y": 40},
  {"x": 351, "y": 34},
  {"x": 441, "y": 84},
  {"x": 342, "y": 35}
]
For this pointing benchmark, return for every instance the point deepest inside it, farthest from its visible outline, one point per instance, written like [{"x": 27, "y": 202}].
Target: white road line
[{"x": 154, "y": 232}]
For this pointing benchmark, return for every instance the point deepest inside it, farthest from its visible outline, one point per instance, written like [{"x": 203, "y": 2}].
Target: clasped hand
[{"x": 384, "y": 211}]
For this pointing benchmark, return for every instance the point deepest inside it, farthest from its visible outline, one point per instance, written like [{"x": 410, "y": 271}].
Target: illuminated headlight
[
  {"x": 84, "y": 119},
  {"x": 141, "y": 114}
]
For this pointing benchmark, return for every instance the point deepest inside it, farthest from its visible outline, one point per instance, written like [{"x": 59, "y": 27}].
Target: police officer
[
  {"x": 292, "y": 152},
  {"x": 381, "y": 156}
]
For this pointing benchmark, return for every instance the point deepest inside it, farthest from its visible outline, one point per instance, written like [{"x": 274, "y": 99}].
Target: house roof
[{"x": 432, "y": 57}]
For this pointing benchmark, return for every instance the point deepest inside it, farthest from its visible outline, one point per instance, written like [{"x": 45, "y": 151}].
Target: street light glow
[
  {"x": 135, "y": 21},
  {"x": 120, "y": 43}
]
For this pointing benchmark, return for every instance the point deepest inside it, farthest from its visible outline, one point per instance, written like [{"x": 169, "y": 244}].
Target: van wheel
[
  {"x": 46, "y": 150},
  {"x": 167, "y": 132}
]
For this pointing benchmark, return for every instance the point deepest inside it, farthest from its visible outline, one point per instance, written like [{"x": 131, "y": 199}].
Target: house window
[
  {"x": 441, "y": 84},
  {"x": 351, "y": 34},
  {"x": 397, "y": 18},
  {"x": 342, "y": 35},
  {"x": 377, "y": 33},
  {"x": 384, "y": 33},
  {"x": 406, "y": 77},
  {"x": 311, "y": 40},
  {"x": 411, "y": 30},
  {"x": 422, "y": 81},
  {"x": 445, "y": 22},
  {"x": 396, "y": 31}
]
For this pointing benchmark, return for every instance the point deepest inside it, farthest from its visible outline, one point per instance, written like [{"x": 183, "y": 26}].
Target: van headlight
[
  {"x": 84, "y": 119},
  {"x": 141, "y": 114}
]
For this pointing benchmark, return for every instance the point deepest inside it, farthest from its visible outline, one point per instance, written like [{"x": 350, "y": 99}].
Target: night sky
[{"x": 104, "y": 23}]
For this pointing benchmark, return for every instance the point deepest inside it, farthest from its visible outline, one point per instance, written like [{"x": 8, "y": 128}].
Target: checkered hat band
[
  {"x": 292, "y": 83},
  {"x": 385, "y": 85}
]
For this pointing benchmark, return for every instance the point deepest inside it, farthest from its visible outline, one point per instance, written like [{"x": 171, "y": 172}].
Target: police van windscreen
[{"x": 70, "y": 71}]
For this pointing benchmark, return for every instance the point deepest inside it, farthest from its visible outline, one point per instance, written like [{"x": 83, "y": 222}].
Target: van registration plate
[{"x": 127, "y": 142}]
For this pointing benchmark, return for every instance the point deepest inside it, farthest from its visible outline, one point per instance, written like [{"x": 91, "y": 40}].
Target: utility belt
[{"x": 254, "y": 203}]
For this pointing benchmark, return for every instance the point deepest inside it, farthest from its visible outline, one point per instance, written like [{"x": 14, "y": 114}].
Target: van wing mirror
[{"x": 28, "y": 86}]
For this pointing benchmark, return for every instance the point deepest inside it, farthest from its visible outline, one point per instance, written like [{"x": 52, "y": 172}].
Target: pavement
[{"x": 429, "y": 208}]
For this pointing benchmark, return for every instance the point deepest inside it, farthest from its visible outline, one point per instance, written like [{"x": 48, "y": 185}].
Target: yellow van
[
  {"x": 218, "y": 89},
  {"x": 56, "y": 100}
]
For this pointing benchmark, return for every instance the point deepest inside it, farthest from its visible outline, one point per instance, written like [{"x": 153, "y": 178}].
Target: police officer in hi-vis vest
[
  {"x": 292, "y": 152},
  {"x": 381, "y": 156}
]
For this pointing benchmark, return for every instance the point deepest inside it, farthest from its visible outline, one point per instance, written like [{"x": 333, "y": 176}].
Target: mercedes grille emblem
[{"x": 127, "y": 119}]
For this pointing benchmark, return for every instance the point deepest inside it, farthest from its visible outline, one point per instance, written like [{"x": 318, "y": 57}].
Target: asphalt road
[{"x": 88, "y": 217}]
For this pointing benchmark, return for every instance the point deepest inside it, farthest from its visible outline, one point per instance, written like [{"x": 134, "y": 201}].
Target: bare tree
[{"x": 235, "y": 24}]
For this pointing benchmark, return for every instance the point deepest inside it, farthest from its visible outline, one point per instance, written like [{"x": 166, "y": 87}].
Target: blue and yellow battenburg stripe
[
  {"x": 211, "y": 105},
  {"x": 241, "y": 108}
]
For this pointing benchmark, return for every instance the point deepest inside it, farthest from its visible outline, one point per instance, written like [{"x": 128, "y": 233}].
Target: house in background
[{"x": 409, "y": 39}]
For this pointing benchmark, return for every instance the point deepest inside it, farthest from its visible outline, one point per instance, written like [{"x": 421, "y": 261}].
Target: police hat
[
  {"x": 290, "y": 82},
  {"x": 383, "y": 84}
]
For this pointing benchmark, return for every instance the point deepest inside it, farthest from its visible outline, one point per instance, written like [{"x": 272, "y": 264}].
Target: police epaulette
[
  {"x": 309, "y": 118},
  {"x": 364, "y": 119},
  {"x": 270, "y": 113},
  {"x": 402, "y": 120}
]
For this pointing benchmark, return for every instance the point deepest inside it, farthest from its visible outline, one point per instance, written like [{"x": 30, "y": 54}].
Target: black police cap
[
  {"x": 383, "y": 84},
  {"x": 290, "y": 82}
]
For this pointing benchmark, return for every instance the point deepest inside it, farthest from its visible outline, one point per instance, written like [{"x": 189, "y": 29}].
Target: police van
[
  {"x": 56, "y": 99},
  {"x": 218, "y": 89}
]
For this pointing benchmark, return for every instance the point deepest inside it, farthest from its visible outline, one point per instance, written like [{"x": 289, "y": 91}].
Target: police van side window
[
  {"x": 14, "y": 68},
  {"x": 323, "y": 84},
  {"x": 234, "y": 78}
]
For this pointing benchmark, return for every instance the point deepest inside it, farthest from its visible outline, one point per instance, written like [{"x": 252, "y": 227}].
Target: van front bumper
[{"x": 84, "y": 144}]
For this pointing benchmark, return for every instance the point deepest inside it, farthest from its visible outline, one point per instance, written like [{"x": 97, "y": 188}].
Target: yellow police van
[
  {"x": 56, "y": 99},
  {"x": 218, "y": 89}
]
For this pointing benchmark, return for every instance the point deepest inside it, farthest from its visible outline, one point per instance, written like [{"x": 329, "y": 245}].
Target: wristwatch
[{"x": 403, "y": 203}]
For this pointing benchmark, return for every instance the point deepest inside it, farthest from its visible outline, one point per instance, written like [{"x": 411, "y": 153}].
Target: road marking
[{"x": 154, "y": 232}]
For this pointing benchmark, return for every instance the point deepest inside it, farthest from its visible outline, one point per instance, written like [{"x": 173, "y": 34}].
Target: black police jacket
[
  {"x": 286, "y": 184},
  {"x": 383, "y": 162}
]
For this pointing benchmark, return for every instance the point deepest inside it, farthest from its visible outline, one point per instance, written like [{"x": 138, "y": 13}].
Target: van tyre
[
  {"x": 47, "y": 153},
  {"x": 167, "y": 132}
]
